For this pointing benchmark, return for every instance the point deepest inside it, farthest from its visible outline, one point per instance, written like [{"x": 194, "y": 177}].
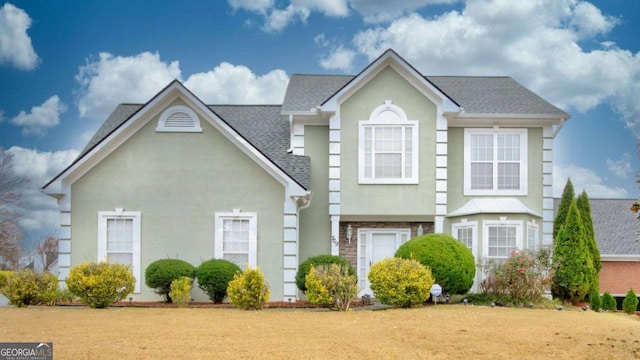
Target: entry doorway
[{"x": 375, "y": 245}]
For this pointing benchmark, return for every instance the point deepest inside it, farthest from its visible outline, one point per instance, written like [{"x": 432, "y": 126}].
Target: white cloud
[
  {"x": 340, "y": 58},
  {"x": 333, "y": 8},
  {"x": 258, "y": 6},
  {"x": 110, "y": 80},
  {"x": 622, "y": 167},
  {"x": 41, "y": 117},
  {"x": 584, "y": 179},
  {"x": 386, "y": 10},
  {"x": 280, "y": 19},
  {"x": 15, "y": 44},
  {"x": 39, "y": 211},
  {"x": 539, "y": 43},
  {"x": 237, "y": 84}
]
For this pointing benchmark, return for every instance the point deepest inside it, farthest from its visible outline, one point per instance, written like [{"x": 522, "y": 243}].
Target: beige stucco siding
[
  {"x": 315, "y": 229},
  {"x": 178, "y": 181},
  {"x": 360, "y": 199}
]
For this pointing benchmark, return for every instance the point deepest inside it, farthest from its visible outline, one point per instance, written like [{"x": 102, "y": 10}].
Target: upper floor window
[
  {"x": 388, "y": 147},
  {"x": 495, "y": 162},
  {"x": 179, "y": 119}
]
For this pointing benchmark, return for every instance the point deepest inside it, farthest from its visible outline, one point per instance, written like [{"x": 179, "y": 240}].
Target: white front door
[{"x": 375, "y": 245}]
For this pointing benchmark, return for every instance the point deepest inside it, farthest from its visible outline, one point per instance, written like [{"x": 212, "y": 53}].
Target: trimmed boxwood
[
  {"x": 160, "y": 273},
  {"x": 325, "y": 259},
  {"x": 214, "y": 276},
  {"x": 451, "y": 262}
]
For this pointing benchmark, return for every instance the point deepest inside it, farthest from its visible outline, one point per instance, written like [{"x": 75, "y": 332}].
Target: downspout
[{"x": 290, "y": 149}]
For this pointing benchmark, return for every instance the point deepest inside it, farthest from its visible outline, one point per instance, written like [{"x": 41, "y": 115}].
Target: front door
[{"x": 375, "y": 245}]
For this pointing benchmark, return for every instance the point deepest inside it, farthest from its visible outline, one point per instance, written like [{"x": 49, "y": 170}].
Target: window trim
[
  {"x": 464, "y": 224},
  {"x": 196, "y": 128},
  {"x": 119, "y": 213},
  {"x": 253, "y": 233},
  {"x": 389, "y": 115},
  {"x": 533, "y": 225},
  {"x": 501, "y": 223},
  {"x": 523, "y": 133}
]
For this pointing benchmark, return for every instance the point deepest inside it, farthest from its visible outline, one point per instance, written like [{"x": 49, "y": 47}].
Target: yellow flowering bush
[
  {"x": 100, "y": 284},
  {"x": 400, "y": 282},
  {"x": 180, "y": 292},
  {"x": 331, "y": 285},
  {"x": 26, "y": 287},
  {"x": 248, "y": 290}
]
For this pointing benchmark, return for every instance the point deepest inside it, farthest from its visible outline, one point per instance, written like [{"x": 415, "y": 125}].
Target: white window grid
[{"x": 236, "y": 238}]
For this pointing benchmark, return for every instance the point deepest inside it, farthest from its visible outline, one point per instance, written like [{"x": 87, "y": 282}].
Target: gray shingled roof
[
  {"x": 615, "y": 225},
  {"x": 477, "y": 95},
  {"x": 261, "y": 125}
]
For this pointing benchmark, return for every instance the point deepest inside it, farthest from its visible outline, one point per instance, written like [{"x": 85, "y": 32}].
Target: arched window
[
  {"x": 388, "y": 147},
  {"x": 179, "y": 119}
]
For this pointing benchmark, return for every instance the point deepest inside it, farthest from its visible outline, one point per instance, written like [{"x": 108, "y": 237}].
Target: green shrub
[
  {"x": 4, "y": 278},
  {"x": 64, "y": 296},
  {"x": 26, "y": 287},
  {"x": 248, "y": 290},
  {"x": 451, "y": 262},
  {"x": 608, "y": 302},
  {"x": 214, "y": 277},
  {"x": 160, "y": 273},
  {"x": 304, "y": 267},
  {"x": 100, "y": 284},
  {"x": 522, "y": 278},
  {"x": 331, "y": 285},
  {"x": 630, "y": 302},
  {"x": 180, "y": 291},
  {"x": 400, "y": 282},
  {"x": 596, "y": 301}
]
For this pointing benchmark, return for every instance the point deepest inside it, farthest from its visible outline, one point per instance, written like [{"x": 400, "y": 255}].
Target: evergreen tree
[
  {"x": 568, "y": 196},
  {"x": 585, "y": 214},
  {"x": 572, "y": 261}
]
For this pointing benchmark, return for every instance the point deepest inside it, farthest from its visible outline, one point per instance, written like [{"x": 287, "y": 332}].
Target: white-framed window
[
  {"x": 119, "y": 239},
  {"x": 495, "y": 162},
  {"x": 179, "y": 118},
  {"x": 388, "y": 147},
  {"x": 236, "y": 237},
  {"x": 467, "y": 233},
  {"x": 532, "y": 235},
  {"x": 501, "y": 237}
]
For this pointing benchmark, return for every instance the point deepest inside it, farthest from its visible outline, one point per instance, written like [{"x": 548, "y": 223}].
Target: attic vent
[{"x": 179, "y": 119}]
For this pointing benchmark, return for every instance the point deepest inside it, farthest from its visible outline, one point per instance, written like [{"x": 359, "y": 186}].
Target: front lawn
[{"x": 440, "y": 332}]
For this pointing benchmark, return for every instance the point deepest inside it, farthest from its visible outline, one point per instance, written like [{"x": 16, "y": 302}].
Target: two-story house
[{"x": 348, "y": 165}]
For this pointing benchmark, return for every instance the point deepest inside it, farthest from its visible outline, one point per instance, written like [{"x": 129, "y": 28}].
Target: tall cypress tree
[
  {"x": 572, "y": 261},
  {"x": 585, "y": 214},
  {"x": 568, "y": 196}
]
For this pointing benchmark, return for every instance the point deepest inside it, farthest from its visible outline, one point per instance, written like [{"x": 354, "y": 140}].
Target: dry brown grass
[{"x": 442, "y": 332}]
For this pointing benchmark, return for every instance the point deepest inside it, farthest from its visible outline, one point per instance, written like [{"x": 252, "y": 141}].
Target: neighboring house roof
[
  {"x": 261, "y": 125},
  {"x": 476, "y": 94},
  {"x": 616, "y": 227}
]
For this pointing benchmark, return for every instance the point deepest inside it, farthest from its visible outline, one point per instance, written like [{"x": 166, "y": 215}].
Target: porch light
[
  {"x": 349, "y": 233},
  {"x": 420, "y": 230}
]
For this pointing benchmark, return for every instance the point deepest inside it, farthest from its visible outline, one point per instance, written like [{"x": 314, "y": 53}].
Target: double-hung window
[
  {"x": 502, "y": 237},
  {"x": 388, "y": 147},
  {"x": 466, "y": 232},
  {"x": 119, "y": 239},
  {"x": 236, "y": 238},
  {"x": 495, "y": 162}
]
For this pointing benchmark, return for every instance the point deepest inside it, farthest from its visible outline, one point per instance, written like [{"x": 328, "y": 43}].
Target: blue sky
[{"x": 64, "y": 65}]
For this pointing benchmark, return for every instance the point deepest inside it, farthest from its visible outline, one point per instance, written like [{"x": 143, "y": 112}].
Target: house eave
[{"x": 620, "y": 257}]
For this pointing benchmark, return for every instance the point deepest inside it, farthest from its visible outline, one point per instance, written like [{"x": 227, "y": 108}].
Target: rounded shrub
[
  {"x": 400, "y": 282},
  {"x": 100, "y": 284},
  {"x": 608, "y": 302},
  {"x": 595, "y": 301},
  {"x": 249, "y": 290},
  {"x": 181, "y": 291},
  {"x": 26, "y": 287},
  {"x": 317, "y": 260},
  {"x": 451, "y": 262},
  {"x": 331, "y": 285},
  {"x": 160, "y": 273},
  {"x": 630, "y": 302},
  {"x": 214, "y": 276}
]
